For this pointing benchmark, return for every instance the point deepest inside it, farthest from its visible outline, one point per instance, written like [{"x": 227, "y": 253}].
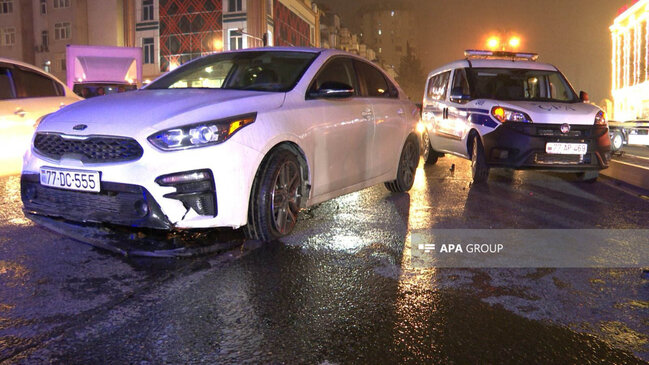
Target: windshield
[
  {"x": 261, "y": 71},
  {"x": 520, "y": 84}
]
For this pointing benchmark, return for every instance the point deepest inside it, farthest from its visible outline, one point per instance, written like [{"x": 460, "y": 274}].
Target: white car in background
[
  {"x": 243, "y": 138},
  {"x": 26, "y": 94}
]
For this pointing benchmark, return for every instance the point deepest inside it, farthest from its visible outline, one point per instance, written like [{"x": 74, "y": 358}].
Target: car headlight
[
  {"x": 600, "y": 118},
  {"x": 509, "y": 115},
  {"x": 201, "y": 134}
]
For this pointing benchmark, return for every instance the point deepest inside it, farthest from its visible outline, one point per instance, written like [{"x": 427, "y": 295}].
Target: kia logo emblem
[
  {"x": 565, "y": 128},
  {"x": 80, "y": 127}
]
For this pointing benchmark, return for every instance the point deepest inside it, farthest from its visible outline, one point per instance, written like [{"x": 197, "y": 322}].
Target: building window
[
  {"x": 235, "y": 5},
  {"x": 63, "y": 65},
  {"x": 61, "y": 4},
  {"x": 147, "y": 47},
  {"x": 269, "y": 8},
  {"x": 147, "y": 10},
  {"x": 6, "y": 6},
  {"x": 236, "y": 39},
  {"x": 61, "y": 31},
  {"x": 8, "y": 36},
  {"x": 45, "y": 40},
  {"x": 43, "y": 7}
]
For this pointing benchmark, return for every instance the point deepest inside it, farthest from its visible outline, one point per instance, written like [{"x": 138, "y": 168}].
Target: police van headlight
[
  {"x": 600, "y": 119},
  {"x": 509, "y": 115}
]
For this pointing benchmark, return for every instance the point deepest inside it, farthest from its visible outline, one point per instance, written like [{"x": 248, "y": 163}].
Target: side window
[
  {"x": 460, "y": 82},
  {"x": 6, "y": 90},
  {"x": 437, "y": 86},
  {"x": 337, "y": 70},
  {"x": 372, "y": 81},
  {"x": 33, "y": 85}
]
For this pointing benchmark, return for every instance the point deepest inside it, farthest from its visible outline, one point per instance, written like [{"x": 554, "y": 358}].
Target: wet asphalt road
[{"x": 339, "y": 290}]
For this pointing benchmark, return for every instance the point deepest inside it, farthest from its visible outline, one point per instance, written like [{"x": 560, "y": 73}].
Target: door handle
[
  {"x": 400, "y": 112},
  {"x": 20, "y": 112},
  {"x": 445, "y": 113},
  {"x": 367, "y": 114},
  {"x": 61, "y": 105}
]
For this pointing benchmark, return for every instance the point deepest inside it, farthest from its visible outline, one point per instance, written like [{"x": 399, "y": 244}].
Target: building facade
[
  {"x": 170, "y": 32},
  {"x": 38, "y": 31},
  {"x": 630, "y": 62},
  {"x": 387, "y": 27}
]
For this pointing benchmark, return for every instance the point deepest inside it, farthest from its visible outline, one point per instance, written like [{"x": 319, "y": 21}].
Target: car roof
[{"x": 494, "y": 63}]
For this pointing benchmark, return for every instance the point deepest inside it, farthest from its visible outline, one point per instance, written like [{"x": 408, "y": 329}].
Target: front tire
[
  {"x": 275, "y": 198},
  {"x": 479, "y": 167},
  {"x": 588, "y": 176},
  {"x": 407, "y": 168}
]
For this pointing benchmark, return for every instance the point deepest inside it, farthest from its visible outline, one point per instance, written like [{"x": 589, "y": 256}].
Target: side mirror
[
  {"x": 583, "y": 96},
  {"x": 458, "y": 95},
  {"x": 333, "y": 89}
]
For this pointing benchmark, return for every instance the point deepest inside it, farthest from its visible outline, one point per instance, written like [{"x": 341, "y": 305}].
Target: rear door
[{"x": 389, "y": 117}]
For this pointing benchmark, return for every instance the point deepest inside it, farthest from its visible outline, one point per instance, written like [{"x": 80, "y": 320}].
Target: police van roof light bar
[{"x": 476, "y": 53}]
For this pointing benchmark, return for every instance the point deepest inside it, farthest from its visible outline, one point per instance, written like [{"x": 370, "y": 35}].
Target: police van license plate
[
  {"x": 80, "y": 180},
  {"x": 566, "y": 148}
]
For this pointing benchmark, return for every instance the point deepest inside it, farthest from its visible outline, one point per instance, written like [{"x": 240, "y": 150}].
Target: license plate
[
  {"x": 80, "y": 180},
  {"x": 566, "y": 148}
]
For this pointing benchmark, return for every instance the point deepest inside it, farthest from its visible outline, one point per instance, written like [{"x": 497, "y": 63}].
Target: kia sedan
[{"x": 235, "y": 139}]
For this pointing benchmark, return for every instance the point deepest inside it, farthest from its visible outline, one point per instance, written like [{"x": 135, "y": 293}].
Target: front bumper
[
  {"x": 522, "y": 146},
  {"x": 130, "y": 188}
]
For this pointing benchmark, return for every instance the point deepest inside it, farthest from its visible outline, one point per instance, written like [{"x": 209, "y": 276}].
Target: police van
[{"x": 505, "y": 110}]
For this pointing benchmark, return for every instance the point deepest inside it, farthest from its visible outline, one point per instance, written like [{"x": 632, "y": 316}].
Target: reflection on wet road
[{"x": 341, "y": 289}]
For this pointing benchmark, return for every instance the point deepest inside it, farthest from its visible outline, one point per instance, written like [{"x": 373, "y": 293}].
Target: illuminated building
[{"x": 630, "y": 62}]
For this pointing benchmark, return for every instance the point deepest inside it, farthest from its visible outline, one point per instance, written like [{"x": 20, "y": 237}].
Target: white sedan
[
  {"x": 26, "y": 94},
  {"x": 236, "y": 139}
]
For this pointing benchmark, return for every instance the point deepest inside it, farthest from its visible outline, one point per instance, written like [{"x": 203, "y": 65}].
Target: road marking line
[
  {"x": 631, "y": 164},
  {"x": 634, "y": 156}
]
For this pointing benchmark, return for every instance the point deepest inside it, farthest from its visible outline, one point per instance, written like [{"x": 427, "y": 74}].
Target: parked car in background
[
  {"x": 26, "y": 94},
  {"x": 504, "y": 109},
  {"x": 234, "y": 139},
  {"x": 631, "y": 132}
]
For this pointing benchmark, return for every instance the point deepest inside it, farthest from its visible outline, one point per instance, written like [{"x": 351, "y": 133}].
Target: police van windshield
[{"x": 520, "y": 85}]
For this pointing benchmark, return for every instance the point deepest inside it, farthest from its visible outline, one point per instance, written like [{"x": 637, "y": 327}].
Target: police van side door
[
  {"x": 436, "y": 109},
  {"x": 457, "y": 121}
]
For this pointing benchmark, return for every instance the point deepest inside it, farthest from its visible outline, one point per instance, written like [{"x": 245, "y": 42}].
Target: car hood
[
  {"x": 555, "y": 113},
  {"x": 144, "y": 112}
]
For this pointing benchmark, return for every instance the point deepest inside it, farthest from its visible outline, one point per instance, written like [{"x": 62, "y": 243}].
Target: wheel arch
[{"x": 469, "y": 141}]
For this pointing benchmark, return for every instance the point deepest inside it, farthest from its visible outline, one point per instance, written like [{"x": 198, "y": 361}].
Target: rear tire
[
  {"x": 429, "y": 155},
  {"x": 407, "y": 167},
  {"x": 479, "y": 167},
  {"x": 275, "y": 198},
  {"x": 588, "y": 176},
  {"x": 617, "y": 141}
]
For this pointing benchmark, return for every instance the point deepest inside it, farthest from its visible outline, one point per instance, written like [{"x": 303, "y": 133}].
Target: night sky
[{"x": 571, "y": 34}]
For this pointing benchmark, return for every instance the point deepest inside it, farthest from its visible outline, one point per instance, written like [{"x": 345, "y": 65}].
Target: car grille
[
  {"x": 95, "y": 149},
  {"x": 551, "y": 130}
]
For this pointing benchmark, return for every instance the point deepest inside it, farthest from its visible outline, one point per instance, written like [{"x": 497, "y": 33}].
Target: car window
[
  {"x": 520, "y": 84},
  {"x": 437, "y": 86},
  {"x": 277, "y": 71},
  {"x": 340, "y": 69},
  {"x": 34, "y": 85},
  {"x": 372, "y": 81},
  {"x": 460, "y": 81},
  {"x": 6, "y": 90}
]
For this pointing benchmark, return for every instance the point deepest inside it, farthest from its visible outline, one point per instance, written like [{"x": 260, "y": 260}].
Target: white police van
[{"x": 504, "y": 109}]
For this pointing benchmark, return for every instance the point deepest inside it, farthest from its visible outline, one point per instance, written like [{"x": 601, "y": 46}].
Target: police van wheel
[
  {"x": 479, "y": 167},
  {"x": 588, "y": 176},
  {"x": 429, "y": 155},
  {"x": 617, "y": 141}
]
